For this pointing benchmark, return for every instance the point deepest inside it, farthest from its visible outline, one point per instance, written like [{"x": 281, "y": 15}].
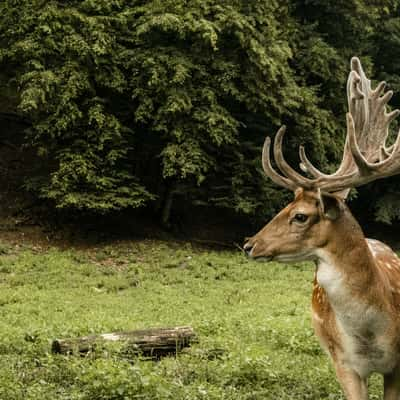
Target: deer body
[{"x": 356, "y": 295}]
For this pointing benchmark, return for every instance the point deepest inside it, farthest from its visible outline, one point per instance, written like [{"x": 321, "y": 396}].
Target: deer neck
[{"x": 345, "y": 265}]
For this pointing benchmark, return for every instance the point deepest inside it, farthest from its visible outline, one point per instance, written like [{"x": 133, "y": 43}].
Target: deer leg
[
  {"x": 354, "y": 387},
  {"x": 392, "y": 385}
]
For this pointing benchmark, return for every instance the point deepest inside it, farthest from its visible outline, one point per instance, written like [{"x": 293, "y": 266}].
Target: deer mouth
[{"x": 249, "y": 250}]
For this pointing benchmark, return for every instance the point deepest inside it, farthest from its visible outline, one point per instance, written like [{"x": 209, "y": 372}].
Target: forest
[{"x": 163, "y": 106}]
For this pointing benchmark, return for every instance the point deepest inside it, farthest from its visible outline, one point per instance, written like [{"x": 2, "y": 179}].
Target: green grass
[{"x": 253, "y": 322}]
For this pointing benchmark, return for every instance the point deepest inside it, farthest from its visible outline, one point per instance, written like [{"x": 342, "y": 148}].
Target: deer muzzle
[{"x": 256, "y": 250}]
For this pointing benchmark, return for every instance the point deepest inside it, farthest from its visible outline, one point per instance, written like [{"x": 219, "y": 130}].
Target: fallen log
[{"x": 153, "y": 343}]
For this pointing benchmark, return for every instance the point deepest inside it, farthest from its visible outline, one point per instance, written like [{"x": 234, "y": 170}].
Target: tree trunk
[
  {"x": 152, "y": 343},
  {"x": 167, "y": 203}
]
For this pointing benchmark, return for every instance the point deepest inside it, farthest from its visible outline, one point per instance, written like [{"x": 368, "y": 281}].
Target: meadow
[{"x": 253, "y": 322}]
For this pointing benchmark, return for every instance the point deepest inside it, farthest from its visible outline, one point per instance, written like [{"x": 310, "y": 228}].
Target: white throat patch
[
  {"x": 328, "y": 276},
  {"x": 361, "y": 326}
]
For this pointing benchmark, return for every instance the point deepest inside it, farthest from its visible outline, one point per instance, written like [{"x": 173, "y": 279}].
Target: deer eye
[{"x": 300, "y": 218}]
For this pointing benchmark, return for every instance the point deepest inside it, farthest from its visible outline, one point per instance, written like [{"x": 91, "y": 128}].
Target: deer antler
[{"x": 365, "y": 157}]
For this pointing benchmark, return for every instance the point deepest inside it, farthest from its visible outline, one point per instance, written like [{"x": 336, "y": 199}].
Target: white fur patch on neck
[
  {"x": 328, "y": 276},
  {"x": 353, "y": 313},
  {"x": 361, "y": 326}
]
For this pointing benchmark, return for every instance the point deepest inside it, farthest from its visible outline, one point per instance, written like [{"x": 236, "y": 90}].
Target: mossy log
[{"x": 153, "y": 343}]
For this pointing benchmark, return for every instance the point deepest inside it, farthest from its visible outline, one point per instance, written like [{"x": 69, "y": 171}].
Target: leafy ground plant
[{"x": 253, "y": 321}]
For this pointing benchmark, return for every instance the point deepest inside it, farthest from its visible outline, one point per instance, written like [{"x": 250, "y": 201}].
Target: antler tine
[
  {"x": 358, "y": 106},
  {"x": 391, "y": 165},
  {"x": 370, "y": 118},
  {"x": 379, "y": 89},
  {"x": 391, "y": 116},
  {"x": 270, "y": 171},
  {"x": 363, "y": 165},
  {"x": 384, "y": 153},
  {"x": 307, "y": 166},
  {"x": 354, "y": 89},
  {"x": 294, "y": 176}
]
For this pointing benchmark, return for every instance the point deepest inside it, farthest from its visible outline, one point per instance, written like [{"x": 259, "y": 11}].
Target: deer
[{"x": 356, "y": 292}]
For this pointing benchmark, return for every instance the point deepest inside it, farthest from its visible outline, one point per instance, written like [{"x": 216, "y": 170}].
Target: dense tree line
[{"x": 136, "y": 103}]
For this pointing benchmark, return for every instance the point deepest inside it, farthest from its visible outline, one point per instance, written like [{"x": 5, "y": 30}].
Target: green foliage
[
  {"x": 67, "y": 80},
  {"x": 125, "y": 97}
]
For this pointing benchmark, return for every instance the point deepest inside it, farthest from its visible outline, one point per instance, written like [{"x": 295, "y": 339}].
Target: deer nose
[{"x": 247, "y": 248}]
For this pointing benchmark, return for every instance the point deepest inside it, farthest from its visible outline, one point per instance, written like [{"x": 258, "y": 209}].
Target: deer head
[
  {"x": 300, "y": 229},
  {"x": 318, "y": 211}
]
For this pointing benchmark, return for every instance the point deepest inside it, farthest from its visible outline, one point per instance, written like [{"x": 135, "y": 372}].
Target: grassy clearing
[{"x": 253, "y": 320}]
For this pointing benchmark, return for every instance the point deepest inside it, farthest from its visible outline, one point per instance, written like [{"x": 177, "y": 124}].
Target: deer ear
[{"x": 331, "y": 206}]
